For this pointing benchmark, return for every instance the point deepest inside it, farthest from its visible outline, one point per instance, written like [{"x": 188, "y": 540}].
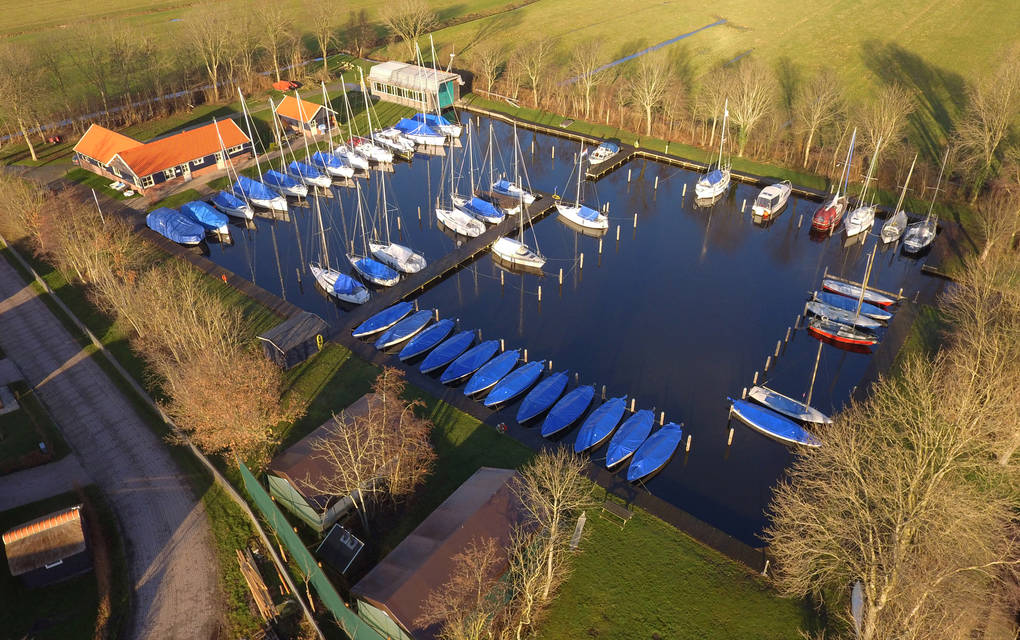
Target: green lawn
[
  {"x": 648, "y": 580},
  {"x": 22, "y": 430},
  {"x": 177, "y": 199},
  {"x": 67, "y": 610},
  {"x": 95, "y": 181}
]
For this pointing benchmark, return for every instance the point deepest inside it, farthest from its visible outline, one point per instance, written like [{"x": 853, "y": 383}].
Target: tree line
[
  {"x": 803, "y": 122},
  {"x": 209, "y": 373},
  {"x": 913, "y": 496}
]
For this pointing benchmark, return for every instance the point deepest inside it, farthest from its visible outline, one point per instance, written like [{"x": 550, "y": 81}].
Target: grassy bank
[
  {"x": 22, "y": 430},
  {"x": 69, "y": 610},
  {"x": 648, "y": 580}
]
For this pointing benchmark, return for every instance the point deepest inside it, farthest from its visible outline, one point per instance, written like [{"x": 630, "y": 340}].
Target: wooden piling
[
  {"x": 796, "y": 323},
  {"x": 577, "y": 377},
  {"x": 743, "y": 392},
  {"x": 435, "y": 314},
  {"x": 729, "y": 438},
  {"x": 419, "y": 213},
  {"x": 656, "y": 182},
  {"x": 501, "y": 278},
  {"x": 800, "y": 220},
  {"x": 684, "y": 192},
  {"x": 768, "y": 362},
  {"x": 687, "y": 447},
  {"x": 779, "y": 343},
  {"x": 550, "y": 364},
  {"x": 554, "y": 151},
  {"x": 603, "y": 392},
  {"x": 479, "y": 335},
  {"x": 632, "y": 404},
  {"x": 561, "y": 276},
  {"x": 628, "y": 176},
  {"x": 617, "y": 233},
  {"x": 539, "y": 293},
  {"x": 755, "y": 379},
  {"x": 398, "y": 223},
  {"x": 600, "y": 246},
  {"x": 416, "y": 305},
  {"x": 743, "y": 205},
  {"x": 635, "y": 223},
  {"x": 582, "y": 261},
  {"x": 662, "y": 418},
  {"x": 788, "y": 329},
  {"x": 525, "y": 354},
  {"x": 502, "y": 345}
]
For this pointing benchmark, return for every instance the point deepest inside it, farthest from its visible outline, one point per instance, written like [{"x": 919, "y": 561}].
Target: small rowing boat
[
  {"x": 772, "y": 424},
  {"x": 448, "y": 351},
  {"x": 492, "y": 372},
  {"x": 600, "y": 424},
  {"x": 655, "y": 452},
  {"x": 515, "y": 383},
  {"x": 469, "y": 361},
  {"x": 383, "y": 320},
  {"x": 568, "y": 410},
  {"x": 542, "y": 396},
  {"x": 631, "y": 434},
  {"x": 427, "y": 339}
]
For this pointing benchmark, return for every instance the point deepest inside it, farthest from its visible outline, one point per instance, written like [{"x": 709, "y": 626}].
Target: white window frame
[
  {"x": 148, "y": 181},
  {"x": 170, "y": 173}
]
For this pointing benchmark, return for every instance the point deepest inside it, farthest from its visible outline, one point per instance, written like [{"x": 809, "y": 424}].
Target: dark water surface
[{"x": 679, "y": 313}]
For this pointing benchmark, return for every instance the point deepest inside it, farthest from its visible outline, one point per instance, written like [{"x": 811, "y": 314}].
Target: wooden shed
[
  {"x": 294, "y": 340},
  {"x": 48, "y": 549}
]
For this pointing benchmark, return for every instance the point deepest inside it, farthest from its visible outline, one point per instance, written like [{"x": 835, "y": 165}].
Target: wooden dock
[{"x": 437, "y": 270}]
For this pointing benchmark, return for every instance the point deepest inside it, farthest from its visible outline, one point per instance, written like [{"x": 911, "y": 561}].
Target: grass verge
[
  {"x": 177, "y": 199},
  {"x": 22, "y": 430}
]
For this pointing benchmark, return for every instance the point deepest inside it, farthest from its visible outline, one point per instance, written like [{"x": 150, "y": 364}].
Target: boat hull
[
  {"x": 787, "y": 406},
  {"x": 383, "y": 320},
  {"x": 629, "y": 437},
  {"x": 772, "y": 424},
  {"x": 706, "y": 190},
  {"x": 567, "y": 411},
  {"x": 427, "y": 339},
  {"x": 828, "y": 216},
  {"x": 573, "y": 213},
  {"x": 460, "y": 223},
  {"x": 655, "y": 452},
  {"x": 860, "y": 220},
  {"x": 543, "y": 396},
  {"x": 515, "y": 384},
  {"x": 517, "y": 254},
  {"x": 406, "y": 329},
  {"x": 447, "y": 351}
]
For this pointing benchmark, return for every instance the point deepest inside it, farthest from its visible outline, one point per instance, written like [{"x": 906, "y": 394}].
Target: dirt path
[{"x": 169, "y": 543}]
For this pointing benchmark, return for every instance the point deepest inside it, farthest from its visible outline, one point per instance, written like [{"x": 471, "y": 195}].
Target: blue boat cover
[
  {"x": 629, "y": 437},
  {"x": 432, "y": 119},
  {"x": 427, "y": 339},
  {"x": 570, "y": 407},
  {"x": 407, "y": 327},
  {"x": 204, "y": 214},
  {"x": 714, "y": 176},
  {"x": 414, "y": 127},
  {"x": 228, "y": 200},
  {"x": 655, "y": 452},
  {"x": 587, "y": 213},
  {"x": 469, "y": 361},
  {"x": 610, "y": 146},
  {"x": 174, "y": 225},
  {"x": 483, "y": 208},
  {"x": 773, "y": 424},
  {"x": 447, "y": 352},
  {"x": 492, "y": 372},
  {"x": 383, "y": 320},
  {"x": 503, "y": 186},
  {"x": 516, "y": 383},
  {"x": 849, "y": 304},
  {"x": 328, "y": 160},
  {"x": 374, "y": 269},
  {"x": 304, "y": 170},
  {"x": 253, "y": 189},
  {"x": 346, "y": 285},
  {"x": 542, "y": 396},
  {"x": 276, "y": 179},
  {"x": 600, "y": 424}
]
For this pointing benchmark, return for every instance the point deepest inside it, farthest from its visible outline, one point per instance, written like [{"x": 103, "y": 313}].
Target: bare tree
[
  {"x": 648, "y": 86},
  {"x": 92, "y": 58},
  {"x": 487, "y": 59},
  {"x": 526, "y": 581},
  {"x": 585, "y": 64},
  {"x": 993, "y": 108},
  {"x": 751, "y": 90},
  {"x": 360, "y": 33},
  {"x": 323, "y": 16},
  {"x": 534, "y": 58},
  {"x": 409, "y": 20},
  {"x": 22, "y": 91},
  {"x": 211, "y": 38},
  {"x": 467, "y": 603},
  {"x": 553, "y": 491},
  {"x": 274, "y": 25},
  {"x": 890, "y": 502},
  {"x": 817, "y": 106},
  {"x": 884, "y": 116}
]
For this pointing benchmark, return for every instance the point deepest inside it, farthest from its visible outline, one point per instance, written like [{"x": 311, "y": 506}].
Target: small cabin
[
  {"x": 307, "y": 117},
  {"x": 48, "y": 549},
  {"x": 294, "y": 340},
  {"x": 420, "y": 88}
]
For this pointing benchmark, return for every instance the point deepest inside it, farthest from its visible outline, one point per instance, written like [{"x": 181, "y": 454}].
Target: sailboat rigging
[{"x": 717, "y": 180}]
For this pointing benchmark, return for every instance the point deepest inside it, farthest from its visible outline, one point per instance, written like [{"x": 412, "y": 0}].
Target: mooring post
[
  {"x": 656, "y": 182},
  {"x": 577, "y": 377},
  {"x": 755, "y": 379},
  {"x": 628, "y": 175},
  {"x": 635, "y": 223},
  {"x": 582, "y": 260},
  {"x": 900, "y": 294},
  {"x": 768, "y": 362},
  {"x": 398, "y": 223},
  {"x": 525, "y": 354},
  {"x": 743, "y": 392},
  {"x": 600, "y": 246},
  {"x": 603, "y": 392},
  {"x": 532, "y": 146},
  {"x": 416, "y": 305},
  {"x": 435, "y": 315},
  {"x": 729, "y": 438},
  {"x": 539, "y": 293},
  {"x": 617, "y": 233},
  {"x": 662, "y": 418},
  {"x": 743, "y": 205},
  {"x": 550, "y": 364},
  {"x": 796, "y": 323},
  {"x": 554, "y": 151},
  {"x": 479, "y": 335},
  {"x": 687, "y": 448},
  {"x": 419, "y": 213},
  {"x": 501, "y": 278},
  {"x": 765, "y": 569},
  {"x": 502, "y": 346},
  {"x": 800, "y": 220},
  {"x": 561, "y": 276},
  {"x": 779, "y": 343},
  {"x": 684, "y": 192},
  {"x": 632, "y": 401},
  {"x": 788, "y": 329}
]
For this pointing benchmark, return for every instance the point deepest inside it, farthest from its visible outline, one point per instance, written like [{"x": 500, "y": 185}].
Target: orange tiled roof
[
  {"x": 42, "y": 524},
  {"x": 289, "y": 108},
  {"x": 101, "y": 144},
  {"x": 157, "y": 155}
]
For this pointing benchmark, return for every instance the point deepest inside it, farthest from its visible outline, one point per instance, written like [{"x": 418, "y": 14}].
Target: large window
[
  {"x": 147, "y": 182},
  {"x": 170, "y": 173}
]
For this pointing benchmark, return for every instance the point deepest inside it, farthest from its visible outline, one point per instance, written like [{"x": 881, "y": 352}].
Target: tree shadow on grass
[{"x": 940, "y": 94}]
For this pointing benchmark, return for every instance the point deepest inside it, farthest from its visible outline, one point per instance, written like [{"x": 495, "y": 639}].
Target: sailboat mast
[
  {"x": 903, "y": 192},
  {"x": 385, "y": 208},
  {"x": 871, "y": 170},
  {"x": 279, "y": 140},
  {"x": 350, "y": 113},
  {"x": 722, "y": 135},
  {"x": 368, "y": 104},
  {"x": 471, "y": 160},
  {"x": 322, "y": 233},
  {"x": 845, "y": 178},
  {"x": 814, "y": 373},
  {"x": 517, "y": 175},
  {"x": 490, "y": 154},
  {"x": 864, "y": 285},
  {"x": 361, "y": 222},
  {"x": 329, "y": 120},
  {"x": 247, "y": 122},
  {"x": 577, "y": 199},
  {"x": 938, "y": 183}
]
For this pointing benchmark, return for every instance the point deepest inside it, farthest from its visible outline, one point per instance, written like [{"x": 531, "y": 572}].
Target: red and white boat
[
  {"x": 829, "y": 215},
  {"x": 841, "y": 333},
  {"x": 854, "y": 291}
]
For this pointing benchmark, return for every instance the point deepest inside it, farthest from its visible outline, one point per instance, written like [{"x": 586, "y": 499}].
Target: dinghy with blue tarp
[
  {"x": 349, "y": 290},
  {"x": 259, "y": 194},
  {"x": 655, "y": 452},
  {"x": 375, "y": 272},
  {"x": 515, "y": 383},
  {"x": 492, "y": 372},
  {"x": 631, "y": 434},
  {"x": 332, "y": 164},
  {"x": 174, "y": 225},
  {"x": 842, "y": 316},
  {"x": 231, "y": 205},
  {"x": 600, "y": 424},
  {"x": 207, "y": 216},
  {"x": 772, "y": 424},
  {"x": 787, "y": 406},
  {"x": 420, "y": 133},
  {"x": 405, "y": 329},
  {"x": 543, "y": 396},
  {"x": 307, "y": 174},
  {"x": 284, "y": 184},
  {"x": 427, "y": 339},
  {"x": 567, "y": 411},
  {"x": 507, "y": 188},
  {"x": 849, "y": 304},
  {"x": 854, "y": 291},
  {"x": 480, "y": 209},
  {"x": 469, "y": 361},
  {"x": 383, "y": 320},
  {"x": 448, "y": 351}
]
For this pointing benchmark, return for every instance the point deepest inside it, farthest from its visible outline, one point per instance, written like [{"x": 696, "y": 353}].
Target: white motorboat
[
  {"x": 603, "y": 152},
  {"x": 771, "y": 200}
]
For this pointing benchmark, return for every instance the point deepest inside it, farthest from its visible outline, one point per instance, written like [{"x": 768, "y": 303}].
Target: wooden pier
[{"x": 438, "y": 269}]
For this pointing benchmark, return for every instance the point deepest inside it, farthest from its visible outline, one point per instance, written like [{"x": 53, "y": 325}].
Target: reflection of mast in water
[
  {"x": 276, "y": 252},
  {"x": 297, "y": 233},
  {"x": 704, "y": 243},
  {"x": 250, "y": 247},
  {"x": 520, "y": 319}
]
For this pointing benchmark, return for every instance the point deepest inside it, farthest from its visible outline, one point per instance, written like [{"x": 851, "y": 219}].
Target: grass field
[{"x": 23, "y": 429}]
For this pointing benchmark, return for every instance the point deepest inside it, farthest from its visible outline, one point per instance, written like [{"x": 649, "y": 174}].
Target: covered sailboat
[
  {"x": 285, "y": 184},
  {"x": 368, "y": 268},
  {"x": 492, "y": 372},
  {"x": 567, "y": 410},
  {"x": 507, "y": 188},
  {"x": 843, "y": 316},
  {"x": 515, "y": 383},
  {"x": 847, "y": 304},
  {"x": 427, "y": 339},
  {"x": 447, "y": 351},
  {"x": 339, "y": 285},
  {"x": 469, "y": 361},
  {"x": 717, "y": 180},
  {"x": 579, "y": 214},
  {"x": 383, "y": 320},
  {"x": 841, "y": 333},
  {"x": 631, "y": 434},
  {"x": 828, "y": 216},
  {"x": 851, "y": 290},
  {"x": 396, "y": 256},
  {"x": 787, "y": 406},
  {"x": 920, "y": 235},
  {"x": 206, "y": 215},
  {"x": 332, "y": 164},
  {"x": 420, "y": 133},
  {"x": 259, "y": 194},
  {"x": 600, "y": 424},
  {"x": 440, "y": 124},
  {"x": 862, "y": 218},
  {"x": 897, "y": 223},
  {"x": 543, "y": 396},
  {"x": 231, "y": 205},
  {"x": 406, "y": 329},
  {"x": 308, "y": 175},
  {"x": 174, "y": 225}
]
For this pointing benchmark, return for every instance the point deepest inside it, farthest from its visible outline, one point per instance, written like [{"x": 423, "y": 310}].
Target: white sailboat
[
  {"x": 337, "y": 284},
  {"x": 437, "y": 121},
  {"x": 453, "y": 218},
  {"x": 577, "y": 213},
  {"x": 368, "y": 268},
  {"x": 306, "y": 172},
  {"x": 516, "y": 252},
  {"x": 897, "y": 224},
  {"x": 394, "y": 255},
  {"x": 358, "y": 145},
  {"x": 256, "y": 191},
  {"x": 473, "y": 205},
  {"x": 345, "y": 151},
  {"x": 920, "y": 235},
  {"x": 332, "y": 164},
  {"x": 717, "y": 180},
  {"x": 862, "y": 218}
]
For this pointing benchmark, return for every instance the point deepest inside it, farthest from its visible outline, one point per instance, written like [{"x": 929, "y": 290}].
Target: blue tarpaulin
[
  {"x": 204, "y": 214},
  {"x": 174, "y": 225},
  {"x": 303, "y": 170},
  {"x": 280, "y": 180},
  {"x": 229, "y": 201},
  {"x": 253, "y": 189},
  {"x": 414, "y": 127}
]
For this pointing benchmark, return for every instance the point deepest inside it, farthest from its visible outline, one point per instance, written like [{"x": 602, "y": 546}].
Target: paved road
[{"x": 169, "y": 543}]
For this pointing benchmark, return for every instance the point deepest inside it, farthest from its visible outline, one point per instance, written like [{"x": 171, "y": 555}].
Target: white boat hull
[
  {"x": 276, "y": 204},
  {"x": 244, "y": 213},
  {"x": 706, "y": 190},
  {"x": 451, "y": 130},
  {"x": 320, "y": 181},
  {"x": 776, "y": 197},
  {"x": 517, "y": 253},
  {"x": 516, "y": 192},
  {"x": 427, "y": 140},
  {"x": 918, "y": 237},
  {"x": 374, "y": 152},
  {"x": 860, "y": 220},
  {"x": 459, "y": 222},
  {"x": 397, "y": 257},
  {"x": 300, "y": 191},
  {"x": 382, "y": 282},
  {"x": 351, "y": 157},
  {"x": 326, "y": 278},
  {"x": 571, "y": 213}
]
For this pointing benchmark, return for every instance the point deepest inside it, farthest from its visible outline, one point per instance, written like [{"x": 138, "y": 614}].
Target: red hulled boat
[
  {"x": 829, "y": 215},
  {"x": 840, "y": 333}
]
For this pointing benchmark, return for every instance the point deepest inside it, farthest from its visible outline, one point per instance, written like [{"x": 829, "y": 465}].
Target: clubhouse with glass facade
[{"x": 417, "y": 87}]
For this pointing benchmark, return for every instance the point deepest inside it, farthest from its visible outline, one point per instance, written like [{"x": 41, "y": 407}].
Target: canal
[{"x": 678, "y": 313}]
